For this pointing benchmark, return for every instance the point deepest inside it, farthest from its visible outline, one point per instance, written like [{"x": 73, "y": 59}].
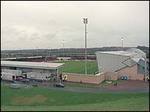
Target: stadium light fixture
[
  {"x": 63, "y": 48},
  {"x": 85, "y": 21},
  {"x": 122, "y": 42}
]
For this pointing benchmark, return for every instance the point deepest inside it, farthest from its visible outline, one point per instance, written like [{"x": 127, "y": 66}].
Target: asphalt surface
[
  {"x": 97, "y": 90},
  {"x": 88, "y": 89}
]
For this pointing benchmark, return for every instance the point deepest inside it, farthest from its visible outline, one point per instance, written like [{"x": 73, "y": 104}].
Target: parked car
[
  {"x": 59, "y": 85},
  {"x": 24, "y": 80},
  {"x": 18, "y": 78},
  {"x": 15, "y": 86}
]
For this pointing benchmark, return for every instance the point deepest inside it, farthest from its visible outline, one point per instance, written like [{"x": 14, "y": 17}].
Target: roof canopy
[
  {"x": 123, "y": 53},
  {"x": 134, "y": 53},
  {"x": 40, "y": 65},
  {"x": 139, "y": 52}
]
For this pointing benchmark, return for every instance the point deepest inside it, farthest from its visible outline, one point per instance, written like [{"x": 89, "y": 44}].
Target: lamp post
[
  {"x": 122, "y": 42},
  {"x": 85, "y": 21},
  {"x": 145, "y": 70},
  {"x": 37, "y": 51},
  {"x": 63, "y": 54}
]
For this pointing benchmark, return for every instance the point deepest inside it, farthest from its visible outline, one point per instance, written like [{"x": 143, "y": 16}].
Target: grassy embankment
[{"x": 37, "y": 98}]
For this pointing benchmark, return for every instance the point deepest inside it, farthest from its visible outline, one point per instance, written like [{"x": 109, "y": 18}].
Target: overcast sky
[{"x": 44, "y": 24}]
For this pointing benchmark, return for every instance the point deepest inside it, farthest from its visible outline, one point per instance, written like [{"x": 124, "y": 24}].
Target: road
[{"x": 113, "y": 89}]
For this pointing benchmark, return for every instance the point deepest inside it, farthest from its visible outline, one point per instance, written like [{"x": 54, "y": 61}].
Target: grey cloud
[{"x": 47, "y": 24}]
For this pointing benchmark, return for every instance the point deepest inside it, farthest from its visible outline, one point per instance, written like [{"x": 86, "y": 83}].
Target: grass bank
[{"x": 38, "y": 98}]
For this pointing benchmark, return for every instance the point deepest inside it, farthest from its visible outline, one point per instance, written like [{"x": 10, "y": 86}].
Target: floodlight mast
[
  {"x": 145, "y": 70},
  {"x": 63, "y": 54},
  {"x": 122, "y": 42},
  {"x": 85, "y": 21}
]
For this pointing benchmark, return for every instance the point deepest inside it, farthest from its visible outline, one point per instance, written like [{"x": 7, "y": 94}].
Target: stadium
[
  {"x": 28, "y": 83},
  {"x": 33, "y": 70},
  {"x": 131, "y": 64},
  {"x": 71, "y": 56},
  {"x": 112, "y": 65}
]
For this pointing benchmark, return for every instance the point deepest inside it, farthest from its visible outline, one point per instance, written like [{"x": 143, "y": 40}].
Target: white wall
[
  {"x": 15, "y": 72},
  {"x": 38, "y": 75},
  {"x": 111, "y": 62},
  {"x": 7, "y": 74}
]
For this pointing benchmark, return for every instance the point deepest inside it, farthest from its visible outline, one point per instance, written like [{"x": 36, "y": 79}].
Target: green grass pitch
[
  {"x": 79, "y": 67},
  {"x": 46, "y": 99}
]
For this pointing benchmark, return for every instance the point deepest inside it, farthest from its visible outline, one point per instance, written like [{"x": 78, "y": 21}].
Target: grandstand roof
[
  {"x": 124, "y": 53},
  {"x": 40, "y": 65},
  {"x": 133, "y": 53},
  {"x": 130, "y": 52}
]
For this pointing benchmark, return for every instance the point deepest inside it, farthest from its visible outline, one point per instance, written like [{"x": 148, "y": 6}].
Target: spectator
[
  {"x": 60, "y": 76},
  {"x": 65, "y": 78},
  {"x": 115, "y": 84}
]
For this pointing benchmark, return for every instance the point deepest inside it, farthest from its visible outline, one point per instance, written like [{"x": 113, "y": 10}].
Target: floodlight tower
[
  {"x": 145, "y": 70},
  {"x": 85, "y": 21},
  {"x": 37, "y": 51},
  {"x": 122, "y": 42},
  {"x": 63, "y": 48}
]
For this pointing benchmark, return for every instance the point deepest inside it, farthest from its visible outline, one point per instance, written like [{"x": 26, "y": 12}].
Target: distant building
[
  {"x": 64, "y": 58},
  {"x": 32, "y": 70},
  {"x": 129, "y": 63}
]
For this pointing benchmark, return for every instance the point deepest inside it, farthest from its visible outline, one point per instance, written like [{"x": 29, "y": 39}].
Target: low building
[
  {"x": 34, "y": 70},
  {"x": 64, "y": 58},
  {"x": 117, "y": 64}
]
